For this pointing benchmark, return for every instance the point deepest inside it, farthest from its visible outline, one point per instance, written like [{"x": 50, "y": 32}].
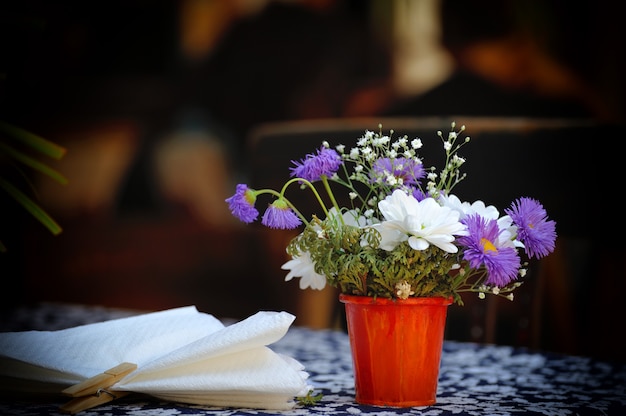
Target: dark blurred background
[{"x": 156, "y": 100}]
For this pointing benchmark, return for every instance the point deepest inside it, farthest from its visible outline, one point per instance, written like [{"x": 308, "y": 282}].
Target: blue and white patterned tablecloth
[{"x": 474, "y": 379}]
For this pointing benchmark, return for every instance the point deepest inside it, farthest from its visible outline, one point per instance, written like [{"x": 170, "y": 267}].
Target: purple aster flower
[
  {"x": 481, "y": 249},
  {"x": 242, "y": 204},
  {"x": 326, "y": 162},
  {"x": 419, "y": 194},
  {"x": 409, "y": 171},
  {"x": 278, "y": 215},
  {"x": 533, "y": 227}
]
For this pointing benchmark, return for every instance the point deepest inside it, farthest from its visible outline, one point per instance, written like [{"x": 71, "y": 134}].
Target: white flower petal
[
  {"x": 426, "y": 222},
  {"x": 303, "y": 267},
  {"x": 418, "y": 243}
]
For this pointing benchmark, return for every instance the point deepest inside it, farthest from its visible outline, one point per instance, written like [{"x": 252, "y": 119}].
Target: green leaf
[
  {"x": 31, "y": 207},
  {"x": 33, "y": 163},
  {"x": 40, "y": 144},
  {"x": 309, "y": 399}
]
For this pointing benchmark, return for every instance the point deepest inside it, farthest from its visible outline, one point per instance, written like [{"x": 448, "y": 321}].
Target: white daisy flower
[
  {"x": 421, "y": 223},
  {"x": 304, "y": 268}
]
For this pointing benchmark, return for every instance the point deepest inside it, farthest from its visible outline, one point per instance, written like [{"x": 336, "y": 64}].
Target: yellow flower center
[{"x": 487, "y": 245}]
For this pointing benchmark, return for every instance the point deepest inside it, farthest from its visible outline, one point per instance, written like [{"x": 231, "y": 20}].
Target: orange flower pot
[{"x": 396, "y": 348}]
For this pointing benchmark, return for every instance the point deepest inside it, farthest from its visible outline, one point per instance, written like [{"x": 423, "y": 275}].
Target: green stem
[
  {"x": 311, "y": 187},
  {"x": 281, "y": 195},
  {"x": 332, "y": 197}
]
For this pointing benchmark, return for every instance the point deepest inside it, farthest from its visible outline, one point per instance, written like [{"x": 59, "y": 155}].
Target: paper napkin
[{"x": 182, "y": 355}]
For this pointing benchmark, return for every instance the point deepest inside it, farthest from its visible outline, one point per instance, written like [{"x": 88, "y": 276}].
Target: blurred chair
[{"x": 507, "y": 158}]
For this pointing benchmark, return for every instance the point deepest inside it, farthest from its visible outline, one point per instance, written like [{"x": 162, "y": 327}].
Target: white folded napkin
[{"x": 182, "y": 355}]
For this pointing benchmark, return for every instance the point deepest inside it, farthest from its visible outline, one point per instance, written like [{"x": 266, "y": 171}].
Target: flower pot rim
[{"x": 370, "y": 300}]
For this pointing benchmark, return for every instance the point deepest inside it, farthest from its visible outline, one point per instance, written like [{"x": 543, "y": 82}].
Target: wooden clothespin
[{"x": 93, "y": 391}]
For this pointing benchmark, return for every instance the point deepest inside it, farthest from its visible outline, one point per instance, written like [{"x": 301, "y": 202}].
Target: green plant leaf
[
  {"x": 33, "y": 163},
  {"x": 31, "y": 207},
  {"x": 38, "y": 143},
  {"x": 309, "y": 399}
]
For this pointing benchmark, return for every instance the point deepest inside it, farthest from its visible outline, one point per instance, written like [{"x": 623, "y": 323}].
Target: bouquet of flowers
[{"x": 403, "y": 232}]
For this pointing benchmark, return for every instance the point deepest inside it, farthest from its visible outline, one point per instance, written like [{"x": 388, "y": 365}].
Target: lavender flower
[
  {"x": 279, "y": 216},
  {"x": 418, "y": 194},
  {"x": 242, "y": 204},
  {"x": 534, "y": 229},
  {"x": 325, "y": 163},
  {"x": 482, "y": 248},
  {"x": 398, "y": 171}
]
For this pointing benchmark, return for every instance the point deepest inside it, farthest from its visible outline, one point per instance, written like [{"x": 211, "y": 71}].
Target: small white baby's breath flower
[
  {"x": 447, "y": 146},
  {"x": 341, "y": 148},
  {"x": 416, "y": 144},
  {"x": 459, "y": 159},
  {"x": 326, "y": 144},
  {"x": 353, "y": 195}
]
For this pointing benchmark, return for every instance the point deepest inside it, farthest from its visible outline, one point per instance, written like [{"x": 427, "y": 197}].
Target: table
[{"x": 475, "y": 379}]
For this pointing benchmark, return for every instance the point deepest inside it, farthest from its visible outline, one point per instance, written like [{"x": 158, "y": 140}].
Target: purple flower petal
[
  {"x": 482, "y": 249},
  {"x": 533, "y": 227},
  {"x": 242, "y": 204},
  {"x": 278, "y": 215},
  {"x": 408, "y": 170},
  {"x": 326, "y": 162}
]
